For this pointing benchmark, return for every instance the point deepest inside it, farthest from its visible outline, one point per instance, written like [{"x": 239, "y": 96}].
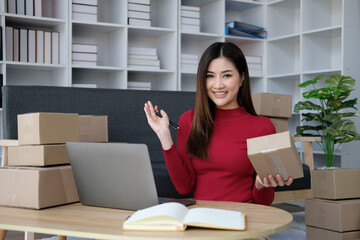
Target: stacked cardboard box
[
  {"x": 84, "y": 10},
  {"x": 139, "y": 13},
  {"x": 39, "y": 174},
  {"x": 334, "y": 211},
  {"x": 190, "y": 19},
  {"x": 275, "y": 106},
  {"x": 275, "y": 153},
  {"x": 84, "y": 54}
]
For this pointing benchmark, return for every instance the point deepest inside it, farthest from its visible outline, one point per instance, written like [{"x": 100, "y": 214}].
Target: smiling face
[{"x": 223, "y": 82}]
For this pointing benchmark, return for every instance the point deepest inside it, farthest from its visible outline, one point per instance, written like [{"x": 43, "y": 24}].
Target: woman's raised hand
[{"x": 160, "y": 125}]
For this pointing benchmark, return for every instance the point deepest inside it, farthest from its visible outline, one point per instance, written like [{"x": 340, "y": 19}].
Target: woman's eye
[
  {"x": 209, "y": 76},
  {"x": 227, "y": 75}
]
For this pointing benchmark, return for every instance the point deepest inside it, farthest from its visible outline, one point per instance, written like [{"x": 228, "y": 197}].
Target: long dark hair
[{"x": 202, "y": 125}]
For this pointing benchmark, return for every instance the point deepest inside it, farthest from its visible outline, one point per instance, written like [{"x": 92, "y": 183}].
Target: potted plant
[{"x": 329, "y": 116}]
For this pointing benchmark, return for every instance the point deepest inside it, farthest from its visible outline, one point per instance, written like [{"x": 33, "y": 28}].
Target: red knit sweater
[{"x": 229, "y": 175}]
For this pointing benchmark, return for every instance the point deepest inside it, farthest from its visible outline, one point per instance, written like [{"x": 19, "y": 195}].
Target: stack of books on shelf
[
  {"x": 242, "y": 29},
  {"x": 143, "y": 58},
  {"x": 189, "y": 62},
  {"x": 135, "y": 85},
  {"x": 33, "y": 46},
  {"x": 190, "y": 19},
  {"x": 84, "y": 54},
  {"x": 84, "y": 10},
  {"x": 255, "y": 65},
  {"x": 24, "y": 7},
  {"x": 139, "y": 13}
]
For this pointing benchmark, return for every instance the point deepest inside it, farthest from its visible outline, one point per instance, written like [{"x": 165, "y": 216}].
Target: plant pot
[{"x": 335, "y": 183}]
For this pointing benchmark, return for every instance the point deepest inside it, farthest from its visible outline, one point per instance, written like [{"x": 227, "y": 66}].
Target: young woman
[{"x": 210, "y": 159}]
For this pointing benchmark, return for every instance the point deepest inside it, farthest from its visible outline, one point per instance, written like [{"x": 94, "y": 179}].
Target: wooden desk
[{"x": 102, "y": 223}]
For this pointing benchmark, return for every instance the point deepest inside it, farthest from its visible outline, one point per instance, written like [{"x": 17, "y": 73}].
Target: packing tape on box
[{"x": 274, "y": 156}]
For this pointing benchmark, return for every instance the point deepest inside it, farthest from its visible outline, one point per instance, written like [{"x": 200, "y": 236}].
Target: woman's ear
[{"x": 242, "y": 78}]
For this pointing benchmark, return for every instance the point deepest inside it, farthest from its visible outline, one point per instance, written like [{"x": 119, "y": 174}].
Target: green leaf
[
  {"x": 313, "y": 81},
  {"x": 308, "y": 105},
  {"x": 332, "y": 81}
]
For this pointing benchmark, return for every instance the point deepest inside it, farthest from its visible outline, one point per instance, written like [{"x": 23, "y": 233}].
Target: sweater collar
[{"x": 226, "y": 114}]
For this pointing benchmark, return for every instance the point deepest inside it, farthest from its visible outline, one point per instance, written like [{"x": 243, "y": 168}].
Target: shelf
[
  {"x": 242, "y": 5},
  {"x": 334, "y": 31},
  {"x": 139, "y": 70},
  {"x": 153, "y": 32},
  {"x": 39, "y": 22},
  {"x": 98, "y": 68},
  {"x": 96, "y": 27},
  {"x": 33, "y": 66}
]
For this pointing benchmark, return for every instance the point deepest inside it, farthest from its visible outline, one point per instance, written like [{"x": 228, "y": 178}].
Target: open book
[{"x": 176, "y": 217}]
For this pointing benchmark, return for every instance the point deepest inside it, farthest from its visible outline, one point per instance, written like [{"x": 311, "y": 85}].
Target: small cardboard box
[
  {"x": 272, "y": 105},
  {"x": 336, "y": 183},
  {"x": 275, "y": 153},
  {"x": 48, "y": 128},
  {"x": 280, "y": 124},
  {"x": 318, "y": 234},
  {"x": 93, "y": 128},
  {"x": 31, "y": 187},
  {"x": 38, "y": 155},
  {"x": 338, "y": 215}
]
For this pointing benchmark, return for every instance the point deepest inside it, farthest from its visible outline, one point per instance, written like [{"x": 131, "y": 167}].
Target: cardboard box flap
[{"x": 269, "y": 143}]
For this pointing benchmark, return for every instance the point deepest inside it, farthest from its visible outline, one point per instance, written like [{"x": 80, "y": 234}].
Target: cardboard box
[
  {"x": 275, "y": 153},
  {"x": 93, "y": 128},
  {"x": 280, "y": 124},
  {"x": 318, "y": 233},
  {"x": 38, "y": 155},
  {"x": 338, "y": 215},
  {"x": 272, "y": 105},
  {"x": 336, "y": 183},
  {"x": 48, "y": 128},
  {"x": 37, "y": 187}
]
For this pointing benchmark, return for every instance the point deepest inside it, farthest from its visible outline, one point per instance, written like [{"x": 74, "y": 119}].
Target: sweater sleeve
[
  {"x": 178, "y": 161},
  {"x": 264, "y": 196}
]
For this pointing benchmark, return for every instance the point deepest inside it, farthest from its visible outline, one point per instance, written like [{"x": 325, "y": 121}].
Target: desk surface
[{"x": 102, "y": 223}]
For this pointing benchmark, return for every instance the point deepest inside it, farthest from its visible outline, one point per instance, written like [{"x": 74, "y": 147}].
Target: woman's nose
[{"x": 218, "y": 83}]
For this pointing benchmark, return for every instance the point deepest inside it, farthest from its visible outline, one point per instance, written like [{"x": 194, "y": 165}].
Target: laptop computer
[{"x": 115, "y": 175}]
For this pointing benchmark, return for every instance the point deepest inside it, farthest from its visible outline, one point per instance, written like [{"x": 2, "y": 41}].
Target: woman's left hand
[{"x": 271, "y": 182}]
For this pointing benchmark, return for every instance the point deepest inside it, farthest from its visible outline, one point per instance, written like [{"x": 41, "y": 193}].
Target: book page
[
  {"x": 173, "y": 210},
  {"x": 215, "y": 218}
]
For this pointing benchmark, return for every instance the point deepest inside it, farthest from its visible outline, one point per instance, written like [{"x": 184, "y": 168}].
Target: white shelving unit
[
  {"x": 305, "y": 38},
  {"x": 308, "y": 38}
]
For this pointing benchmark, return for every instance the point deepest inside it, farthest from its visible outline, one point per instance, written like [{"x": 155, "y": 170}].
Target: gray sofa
[{"x": 127, "y": 121}]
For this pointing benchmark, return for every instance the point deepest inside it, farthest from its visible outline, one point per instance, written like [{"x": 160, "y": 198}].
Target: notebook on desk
[{"x": 115, "y": 175}]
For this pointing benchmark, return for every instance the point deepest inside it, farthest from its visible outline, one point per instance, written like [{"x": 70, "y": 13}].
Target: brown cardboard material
[
  {"x": 48, "y": 128},
  {"x": 318, "y": 234},
  {"x": 280, "y": 124},
  {"x": 272, "y": 105},
  {"x": 93, "y": 128},
  {"x": 37, "y": 187},
  {"x": 38, "y": 155},
  {"x": 275, "y": 153},
  {"x": 338, "y": 215},
  {"x": 336, "y": 183}
]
